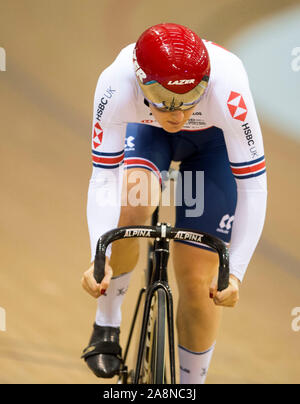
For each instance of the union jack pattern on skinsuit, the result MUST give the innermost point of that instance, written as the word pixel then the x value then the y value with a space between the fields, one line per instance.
pixel 107 160
pixel 143 163
pixel 249 168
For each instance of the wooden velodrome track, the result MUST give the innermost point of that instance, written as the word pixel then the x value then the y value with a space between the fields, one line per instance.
pixel 55 51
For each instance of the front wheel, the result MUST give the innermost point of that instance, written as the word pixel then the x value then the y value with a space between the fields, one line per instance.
pixel 153 366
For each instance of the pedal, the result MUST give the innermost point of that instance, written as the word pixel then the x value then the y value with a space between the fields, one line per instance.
pixel 123 376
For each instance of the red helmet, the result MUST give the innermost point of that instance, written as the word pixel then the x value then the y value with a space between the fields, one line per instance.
pixel 172 66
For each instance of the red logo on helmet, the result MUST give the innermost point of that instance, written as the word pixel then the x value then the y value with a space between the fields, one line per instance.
pixel 138 70
pixel 237 106
pixel 97 135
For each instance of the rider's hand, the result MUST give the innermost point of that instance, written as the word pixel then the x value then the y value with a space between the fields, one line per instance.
pixel 90 284
pixel 228 297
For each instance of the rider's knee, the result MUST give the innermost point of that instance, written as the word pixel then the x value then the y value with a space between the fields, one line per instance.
pixel 135 215
pixel 140 196
pixel 195 270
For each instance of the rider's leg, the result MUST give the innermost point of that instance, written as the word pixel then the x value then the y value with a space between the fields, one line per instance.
pixel 142 185
pixel 198 318
pixel 125 252
pixel 214 195
pixel 102 354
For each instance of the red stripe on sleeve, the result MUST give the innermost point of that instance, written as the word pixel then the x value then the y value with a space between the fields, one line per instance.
pixel 248 170
pixel 108 160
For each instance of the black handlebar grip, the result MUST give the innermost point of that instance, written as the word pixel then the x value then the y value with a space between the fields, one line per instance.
pixel 223 279
pixel 99 267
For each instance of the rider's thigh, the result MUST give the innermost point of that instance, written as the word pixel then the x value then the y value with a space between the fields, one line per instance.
pixel 195 269
pixel 140 196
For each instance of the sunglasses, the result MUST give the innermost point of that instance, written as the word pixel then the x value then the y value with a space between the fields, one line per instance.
pixel 168 107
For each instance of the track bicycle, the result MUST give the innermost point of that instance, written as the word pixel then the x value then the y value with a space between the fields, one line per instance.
pixel 157 329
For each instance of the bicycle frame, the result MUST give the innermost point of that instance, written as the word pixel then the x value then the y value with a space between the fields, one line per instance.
pixel 162 233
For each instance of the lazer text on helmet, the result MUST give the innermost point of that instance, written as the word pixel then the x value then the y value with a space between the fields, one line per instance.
pixel 181 82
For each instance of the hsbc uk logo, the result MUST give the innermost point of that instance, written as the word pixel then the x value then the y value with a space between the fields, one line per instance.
pixel 97 136
pixel 238 110
pixel 103 102
pixel 237 106
pixel 225 224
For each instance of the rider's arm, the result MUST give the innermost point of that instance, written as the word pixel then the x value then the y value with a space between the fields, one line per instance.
pixel 113 108
pixel 103 204
pixel 238 119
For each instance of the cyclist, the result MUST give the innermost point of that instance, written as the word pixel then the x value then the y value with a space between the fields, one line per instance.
pixel 174 97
